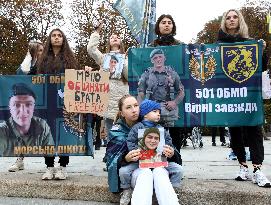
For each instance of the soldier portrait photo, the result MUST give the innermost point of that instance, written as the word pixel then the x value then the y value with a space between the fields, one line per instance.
pixel 161 83
pixel 114 64
pixel 23 128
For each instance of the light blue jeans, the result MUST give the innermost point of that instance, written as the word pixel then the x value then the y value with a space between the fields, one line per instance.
pixel 108 125
pixel 175 174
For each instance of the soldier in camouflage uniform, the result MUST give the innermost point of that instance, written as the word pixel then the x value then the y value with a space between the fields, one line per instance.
pixel 162 84
pixel 22 128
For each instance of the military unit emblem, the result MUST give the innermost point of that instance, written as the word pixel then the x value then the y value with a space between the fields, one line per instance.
pixel 239 62
pixel 200 70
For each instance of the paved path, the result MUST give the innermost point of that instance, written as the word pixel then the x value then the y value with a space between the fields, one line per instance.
pixel 208 162
pixel 208 178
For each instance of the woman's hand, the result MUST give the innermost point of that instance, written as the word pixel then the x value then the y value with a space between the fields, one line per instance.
pixel 168 151
pixel 99 27
pixel 133 156
pixel 264 43
pixel 88 68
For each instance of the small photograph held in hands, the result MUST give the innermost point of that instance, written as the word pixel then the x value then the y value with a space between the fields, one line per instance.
pixel 151 142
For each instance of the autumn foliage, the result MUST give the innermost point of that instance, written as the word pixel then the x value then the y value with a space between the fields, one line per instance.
pixel 23 20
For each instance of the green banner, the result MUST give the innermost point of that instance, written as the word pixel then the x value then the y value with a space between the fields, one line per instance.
pixel 201 85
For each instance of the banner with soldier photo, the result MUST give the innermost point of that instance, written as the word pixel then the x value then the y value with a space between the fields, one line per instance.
pixel 33 121
pixel 200 85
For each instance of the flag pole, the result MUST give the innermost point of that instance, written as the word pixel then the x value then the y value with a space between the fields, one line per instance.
pixel 268 22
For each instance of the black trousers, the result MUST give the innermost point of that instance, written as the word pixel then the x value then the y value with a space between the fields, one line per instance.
pixel 221 133
pixel 63 161
pixel 97 121
pixel 252 136
pixel 176 135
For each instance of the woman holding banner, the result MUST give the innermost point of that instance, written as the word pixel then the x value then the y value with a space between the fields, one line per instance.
pixel 35 49
pixel 165 29
pixel 57 56
pixel 234 29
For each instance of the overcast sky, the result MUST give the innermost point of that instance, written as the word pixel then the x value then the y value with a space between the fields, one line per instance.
pixel 191 15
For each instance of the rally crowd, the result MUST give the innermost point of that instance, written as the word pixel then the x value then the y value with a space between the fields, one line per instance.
pixel 127 114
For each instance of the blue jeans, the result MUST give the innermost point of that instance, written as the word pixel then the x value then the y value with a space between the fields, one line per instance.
pixel 175 174
pixel 125 175
pixel 108 125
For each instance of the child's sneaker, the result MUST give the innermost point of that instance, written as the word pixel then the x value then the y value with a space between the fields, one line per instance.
pixel 125 196
pixel 18 165
pixel 259 178
pixel 49 174
pixel 243 174
pixel 61 173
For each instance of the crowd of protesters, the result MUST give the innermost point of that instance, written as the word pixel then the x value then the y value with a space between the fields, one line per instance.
pixel 125 115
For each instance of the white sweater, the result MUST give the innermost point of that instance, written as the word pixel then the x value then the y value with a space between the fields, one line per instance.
pixel 117 87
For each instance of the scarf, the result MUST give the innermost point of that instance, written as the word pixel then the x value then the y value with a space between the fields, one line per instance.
pixel 228 38
pixel 165 40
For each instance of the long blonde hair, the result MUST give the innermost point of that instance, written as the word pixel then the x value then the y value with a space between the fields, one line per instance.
pixel 242 28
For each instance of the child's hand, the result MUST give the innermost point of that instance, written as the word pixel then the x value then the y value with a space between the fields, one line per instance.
pixel 168 151
pixel 133 156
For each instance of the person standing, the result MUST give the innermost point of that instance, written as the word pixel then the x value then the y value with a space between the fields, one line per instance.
pixel 29 64
pixel 221 133
pixel 234 29
pixel 56 57
pixel 96 130
pixel 165 29
pixel 114 62
pixel 118 75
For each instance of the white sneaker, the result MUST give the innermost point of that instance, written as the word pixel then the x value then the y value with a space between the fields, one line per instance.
pixel 61 173
pixel 243 174
pixel 49 174
pixel 259 178
pixel 18 165
pixel 125 196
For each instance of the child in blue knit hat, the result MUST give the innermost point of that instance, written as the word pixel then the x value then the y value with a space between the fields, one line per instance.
pixel 150 114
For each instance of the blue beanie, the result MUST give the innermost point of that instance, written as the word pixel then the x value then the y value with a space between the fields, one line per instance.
pixel 147 106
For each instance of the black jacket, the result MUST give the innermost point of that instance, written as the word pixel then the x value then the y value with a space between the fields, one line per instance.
pixel 227 38
pixel 165 40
